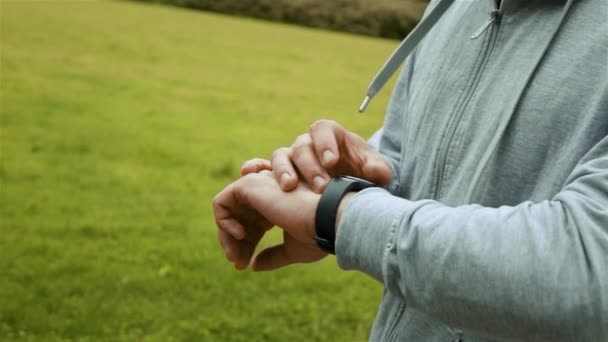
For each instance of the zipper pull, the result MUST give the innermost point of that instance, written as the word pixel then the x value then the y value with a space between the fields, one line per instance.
pixel 493 17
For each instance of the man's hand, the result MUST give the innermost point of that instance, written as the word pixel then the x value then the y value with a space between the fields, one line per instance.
pixel 326 151
pixel 246 209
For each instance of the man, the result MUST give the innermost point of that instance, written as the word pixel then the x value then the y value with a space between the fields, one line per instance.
pixel 492 219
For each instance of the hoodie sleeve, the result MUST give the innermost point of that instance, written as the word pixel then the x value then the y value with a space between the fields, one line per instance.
pixel 533 271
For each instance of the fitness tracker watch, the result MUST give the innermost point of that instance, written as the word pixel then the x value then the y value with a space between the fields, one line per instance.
pixel 327 209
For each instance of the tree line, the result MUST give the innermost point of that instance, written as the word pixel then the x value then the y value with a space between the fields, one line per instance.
pixel 382 18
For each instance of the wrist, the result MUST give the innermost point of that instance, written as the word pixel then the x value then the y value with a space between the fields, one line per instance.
pixel 343 204
pixel 328 208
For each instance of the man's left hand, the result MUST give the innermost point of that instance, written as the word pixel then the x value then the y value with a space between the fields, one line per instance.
pixel 246 209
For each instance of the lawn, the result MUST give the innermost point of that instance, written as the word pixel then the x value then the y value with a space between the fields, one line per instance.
pixel 119 122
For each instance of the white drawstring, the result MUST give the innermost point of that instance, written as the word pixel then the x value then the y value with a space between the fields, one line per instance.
pixel 403 50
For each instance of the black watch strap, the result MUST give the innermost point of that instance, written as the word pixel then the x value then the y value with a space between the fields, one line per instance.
pixel 327 209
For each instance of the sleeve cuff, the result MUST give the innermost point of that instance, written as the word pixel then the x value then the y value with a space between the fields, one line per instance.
pixel 367 230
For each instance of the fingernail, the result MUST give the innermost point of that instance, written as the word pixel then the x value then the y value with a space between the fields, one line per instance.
pixel 328 156
pixel 285 177
pixel 318 182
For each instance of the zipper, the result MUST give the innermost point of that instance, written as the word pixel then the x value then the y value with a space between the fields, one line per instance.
pixel 494 16
pixel 391 334
pixel 488 47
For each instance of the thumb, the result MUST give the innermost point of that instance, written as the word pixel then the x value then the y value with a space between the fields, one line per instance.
pixel 376 169
pixel 271 258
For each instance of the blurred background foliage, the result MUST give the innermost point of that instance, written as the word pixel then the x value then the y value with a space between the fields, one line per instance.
pixel 382 18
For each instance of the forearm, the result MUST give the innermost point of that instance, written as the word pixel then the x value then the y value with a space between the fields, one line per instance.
pixel 536 270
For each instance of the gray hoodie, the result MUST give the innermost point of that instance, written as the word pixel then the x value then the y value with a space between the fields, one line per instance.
pixel 495 226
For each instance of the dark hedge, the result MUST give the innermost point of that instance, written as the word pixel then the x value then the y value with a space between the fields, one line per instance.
pixel 383 18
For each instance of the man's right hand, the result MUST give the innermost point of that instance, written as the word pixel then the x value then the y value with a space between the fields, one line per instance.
pixel 326 151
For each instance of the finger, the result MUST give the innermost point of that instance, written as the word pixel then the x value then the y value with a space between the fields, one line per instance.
pixel 376 169
pixel 224 219
pixel 235 218
pixel 248 245
pixel 283 170
pixel 245 252
pixel 307 163
pixel 326 136
pixel 232 227
pixel 255 165
pixel 239 252
pixel 271 258
pixel 229 245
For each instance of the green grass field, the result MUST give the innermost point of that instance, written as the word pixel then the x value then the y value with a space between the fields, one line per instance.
pixel 119 122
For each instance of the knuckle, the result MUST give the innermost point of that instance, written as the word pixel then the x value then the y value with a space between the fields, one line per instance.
pixel 303 136
pixel 300 151
pixel 302 139
pixel 315 125
pixel 321 122
pixel 351 136
pixel 252 165
pixel 253 161
pixel 324 123
pixel 246 163
pixel 281 153
pixel 299 154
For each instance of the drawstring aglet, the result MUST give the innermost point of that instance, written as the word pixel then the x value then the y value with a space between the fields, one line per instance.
pixel 364 104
